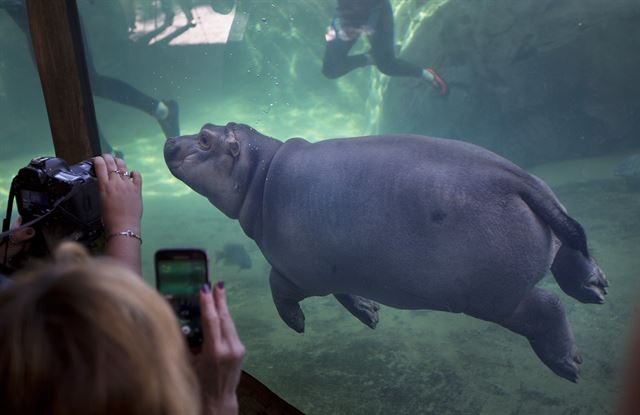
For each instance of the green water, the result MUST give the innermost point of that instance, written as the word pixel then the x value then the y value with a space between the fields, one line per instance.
pixel 414 362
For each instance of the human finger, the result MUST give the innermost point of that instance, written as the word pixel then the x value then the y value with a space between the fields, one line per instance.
pixel 122 167
pixel 16 223
pixel 101 169
pixel 210 320
pixel 110 162
pixel 22 235
pixel 137 179
pixel 227 326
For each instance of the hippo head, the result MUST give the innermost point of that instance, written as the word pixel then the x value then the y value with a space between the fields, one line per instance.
pixel 215 163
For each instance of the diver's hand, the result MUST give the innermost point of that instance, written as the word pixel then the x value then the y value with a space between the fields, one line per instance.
pixel 121 200
pixel 219 363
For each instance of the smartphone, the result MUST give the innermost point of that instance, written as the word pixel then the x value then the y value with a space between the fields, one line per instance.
pixel 180 274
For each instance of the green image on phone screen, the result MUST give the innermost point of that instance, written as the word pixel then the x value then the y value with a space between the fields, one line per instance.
pixel 180 281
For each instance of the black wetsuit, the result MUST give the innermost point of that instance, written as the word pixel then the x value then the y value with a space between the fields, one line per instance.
pixel 101 86
pixel 375 19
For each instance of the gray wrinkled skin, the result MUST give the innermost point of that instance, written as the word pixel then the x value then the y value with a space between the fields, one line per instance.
pixel 408 221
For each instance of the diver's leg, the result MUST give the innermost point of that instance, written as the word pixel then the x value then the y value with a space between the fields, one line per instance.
pixel 579 276
pixel 121 92
pixel 18 13
pixel 382 46
pixel 116 90
pixel 165 112
pixel 286 297
pixel 364 309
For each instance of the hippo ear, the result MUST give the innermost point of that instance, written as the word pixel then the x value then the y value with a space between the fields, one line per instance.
pixel 233 147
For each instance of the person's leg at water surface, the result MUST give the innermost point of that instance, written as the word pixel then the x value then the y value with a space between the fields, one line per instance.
pixel 223 6
pixel 166 112
pixel 381 38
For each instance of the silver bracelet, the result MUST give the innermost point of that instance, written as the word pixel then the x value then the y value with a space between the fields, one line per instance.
pixel 126 232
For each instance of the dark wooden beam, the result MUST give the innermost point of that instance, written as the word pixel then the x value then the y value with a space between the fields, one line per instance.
pixel 254 398
pixel 58 47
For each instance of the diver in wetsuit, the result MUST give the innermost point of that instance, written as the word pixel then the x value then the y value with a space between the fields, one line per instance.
pixel 165 112
pixel 374 18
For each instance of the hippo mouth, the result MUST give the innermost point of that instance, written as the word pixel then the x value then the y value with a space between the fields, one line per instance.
pixel 173 152
pixel 175 166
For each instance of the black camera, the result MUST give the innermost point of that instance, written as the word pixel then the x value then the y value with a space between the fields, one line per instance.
pixel 51 193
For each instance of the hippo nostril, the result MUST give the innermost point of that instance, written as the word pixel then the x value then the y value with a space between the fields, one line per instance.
pixel 171 148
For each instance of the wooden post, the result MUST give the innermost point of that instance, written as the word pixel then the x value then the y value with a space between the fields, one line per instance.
pixel 254 398
pixel 58 47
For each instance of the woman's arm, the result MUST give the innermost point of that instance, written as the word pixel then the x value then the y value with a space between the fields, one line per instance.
pixel 121 199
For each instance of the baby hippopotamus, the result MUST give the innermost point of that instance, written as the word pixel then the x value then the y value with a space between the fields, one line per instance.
pixel 408 221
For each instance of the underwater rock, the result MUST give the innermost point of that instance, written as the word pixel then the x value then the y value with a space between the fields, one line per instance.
pixel 629 170
pixel 408 221
pixel 534 81
pixel 234 254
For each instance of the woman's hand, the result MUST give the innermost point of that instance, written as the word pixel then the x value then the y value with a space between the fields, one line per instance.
pixel 16 243
pixel 121 200
pixel 120 195
pixel 219 363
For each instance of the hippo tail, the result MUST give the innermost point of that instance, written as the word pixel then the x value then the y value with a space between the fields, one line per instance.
pixel 541 200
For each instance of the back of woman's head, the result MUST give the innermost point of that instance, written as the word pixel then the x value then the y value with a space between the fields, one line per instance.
pixel 87 336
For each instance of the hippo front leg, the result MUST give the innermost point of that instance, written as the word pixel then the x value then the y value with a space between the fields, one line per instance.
pixel 286 297
pixel 362 308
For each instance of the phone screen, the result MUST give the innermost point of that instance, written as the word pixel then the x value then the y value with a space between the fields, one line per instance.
pixel 180 274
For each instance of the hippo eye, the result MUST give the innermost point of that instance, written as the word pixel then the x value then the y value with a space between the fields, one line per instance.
pixel 204 141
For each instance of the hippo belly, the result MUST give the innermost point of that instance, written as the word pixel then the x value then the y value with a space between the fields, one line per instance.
pixel 409 237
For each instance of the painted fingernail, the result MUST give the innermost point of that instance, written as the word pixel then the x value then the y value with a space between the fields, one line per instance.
pixel 220 285
pixel 206 288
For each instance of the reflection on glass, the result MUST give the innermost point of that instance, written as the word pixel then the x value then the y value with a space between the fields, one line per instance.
pixel 551 87
pixel 24 126
pixel 185 24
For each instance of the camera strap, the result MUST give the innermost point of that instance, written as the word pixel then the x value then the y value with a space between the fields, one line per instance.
pixel 7 218
pixel 6 222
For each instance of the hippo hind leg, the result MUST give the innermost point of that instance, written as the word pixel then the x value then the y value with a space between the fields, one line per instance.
pixel 579 276
pixel 541 319
pixel 362 308
pixel 286 297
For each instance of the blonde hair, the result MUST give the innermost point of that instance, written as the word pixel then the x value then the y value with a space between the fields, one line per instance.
pixel 88 336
